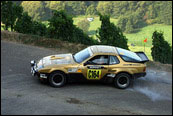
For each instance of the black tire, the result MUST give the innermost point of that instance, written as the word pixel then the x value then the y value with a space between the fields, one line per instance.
pixel 122 81
pixel 57 79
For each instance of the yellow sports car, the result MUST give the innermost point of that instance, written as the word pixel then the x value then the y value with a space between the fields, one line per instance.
pixel 99 62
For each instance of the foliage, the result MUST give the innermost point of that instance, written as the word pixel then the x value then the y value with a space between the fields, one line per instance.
pixel 166 13
pixel 24 24
pixel 37 10
pixel 109 34
pixel 9 13
pixel 84 25
pixel 105 7
pixel 91 10
pixel 61 27
pixel 56 5
pixel 6 13
pixel 38 28
pixel 131 23
pixel 75 7
pixel 161 50
pixel 83 38
pixel 143 12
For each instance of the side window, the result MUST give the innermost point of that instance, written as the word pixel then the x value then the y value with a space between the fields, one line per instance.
pixel 113 60
pixel 99 60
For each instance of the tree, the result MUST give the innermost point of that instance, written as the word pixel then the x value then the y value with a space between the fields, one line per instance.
pixel 84 25
pixel 75 7
pixel 37 10
pixel 166 13
pixel 24 24
pixel 161 50
pixel 83 38
pixel 105 7
pixel 9 13
pixel 17 13
pixel 91 10
pixel 6 13
pixel 109 34
pixel 38 28
pixel 56 5
pixel 60 25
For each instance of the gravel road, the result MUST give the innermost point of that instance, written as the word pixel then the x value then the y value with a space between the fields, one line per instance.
pixel 23 94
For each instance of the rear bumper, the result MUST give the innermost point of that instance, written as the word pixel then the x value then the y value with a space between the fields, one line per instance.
pixel 138 75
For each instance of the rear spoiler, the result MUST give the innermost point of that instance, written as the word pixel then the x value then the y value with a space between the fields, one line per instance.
pixel 143 56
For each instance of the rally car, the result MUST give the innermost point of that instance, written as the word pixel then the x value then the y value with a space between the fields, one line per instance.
pixel 98 62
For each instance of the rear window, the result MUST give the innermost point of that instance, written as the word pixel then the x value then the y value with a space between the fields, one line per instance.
pixel 128 56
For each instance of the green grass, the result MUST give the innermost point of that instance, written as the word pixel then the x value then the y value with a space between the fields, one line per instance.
pixel 146 32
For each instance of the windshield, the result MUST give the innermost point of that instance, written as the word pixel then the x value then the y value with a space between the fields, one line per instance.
pixel 82 55
pixel 128 56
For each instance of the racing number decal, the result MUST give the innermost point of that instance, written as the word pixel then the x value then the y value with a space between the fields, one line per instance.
pixel 93 74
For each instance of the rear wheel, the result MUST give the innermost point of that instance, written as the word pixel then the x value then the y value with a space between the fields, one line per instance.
pixel 57 79
pixel 122 81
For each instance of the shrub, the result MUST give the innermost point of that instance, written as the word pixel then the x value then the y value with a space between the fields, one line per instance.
pixel 161 50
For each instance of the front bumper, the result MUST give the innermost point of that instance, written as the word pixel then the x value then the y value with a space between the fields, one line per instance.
pixel 34 71
pixel 33 68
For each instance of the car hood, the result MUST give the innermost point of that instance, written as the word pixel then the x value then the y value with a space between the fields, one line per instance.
pixel 58 59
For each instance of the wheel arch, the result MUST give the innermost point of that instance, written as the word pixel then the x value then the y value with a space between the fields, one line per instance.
pixel 52 71
pixel 131 75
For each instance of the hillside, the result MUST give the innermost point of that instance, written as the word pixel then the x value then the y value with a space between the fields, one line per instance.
pixel 147 11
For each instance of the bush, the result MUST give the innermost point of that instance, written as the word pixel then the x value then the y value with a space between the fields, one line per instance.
pixel 161 50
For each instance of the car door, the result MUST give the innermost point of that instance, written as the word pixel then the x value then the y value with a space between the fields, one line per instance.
pixel 96 67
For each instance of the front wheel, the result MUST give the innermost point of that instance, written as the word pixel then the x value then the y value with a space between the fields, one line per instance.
pixel 57 79
pixel 122 81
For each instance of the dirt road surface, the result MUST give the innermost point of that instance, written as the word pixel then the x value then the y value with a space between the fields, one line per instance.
pixel 23 94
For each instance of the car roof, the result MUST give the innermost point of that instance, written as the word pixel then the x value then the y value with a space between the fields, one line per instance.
pixel 103 49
